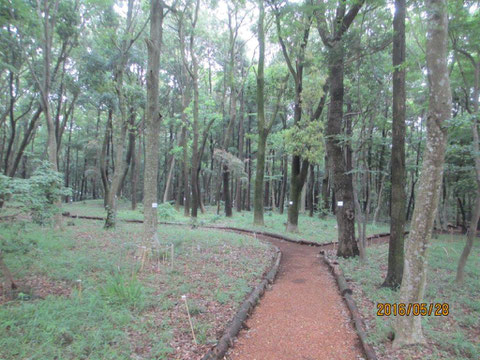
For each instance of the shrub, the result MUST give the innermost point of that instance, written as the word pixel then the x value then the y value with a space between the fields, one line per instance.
pixel 36 195
pixel 166 211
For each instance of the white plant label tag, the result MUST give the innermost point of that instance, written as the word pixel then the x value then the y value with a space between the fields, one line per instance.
pixel 154 205
pixel 339 203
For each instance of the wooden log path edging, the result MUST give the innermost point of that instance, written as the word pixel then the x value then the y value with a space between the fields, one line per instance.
pixel 352 306
pixel 226 341
pixel 236 324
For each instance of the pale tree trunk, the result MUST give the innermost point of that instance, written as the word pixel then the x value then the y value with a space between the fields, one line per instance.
pixel 303 195
pixel 472 230
pixel 152 123
pixel 408 329
pixel 379 199
pixel 169 179
pixel 398 195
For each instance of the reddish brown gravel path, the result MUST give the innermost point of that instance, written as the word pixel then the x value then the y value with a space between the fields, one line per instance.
pixel 302 317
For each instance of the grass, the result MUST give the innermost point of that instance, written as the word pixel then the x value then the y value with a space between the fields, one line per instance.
pixel 456 336
pixel 117 311
pixel 310 228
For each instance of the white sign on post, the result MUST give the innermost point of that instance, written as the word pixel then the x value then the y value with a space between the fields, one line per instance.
pixel 154 205
pixel 339 203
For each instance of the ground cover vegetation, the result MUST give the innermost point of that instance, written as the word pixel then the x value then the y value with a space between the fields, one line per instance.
pixel 325 120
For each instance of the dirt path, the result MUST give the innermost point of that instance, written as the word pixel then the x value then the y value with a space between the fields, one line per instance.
pixel 302 317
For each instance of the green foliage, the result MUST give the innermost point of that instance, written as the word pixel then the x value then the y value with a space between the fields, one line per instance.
pixel 14 239
pixel 306 140
pixel 166 211
pixel 38 194
pixel 234 164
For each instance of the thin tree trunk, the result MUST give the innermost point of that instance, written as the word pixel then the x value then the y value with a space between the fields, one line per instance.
pixel 7 274
pixel 472 230
pixel 398 178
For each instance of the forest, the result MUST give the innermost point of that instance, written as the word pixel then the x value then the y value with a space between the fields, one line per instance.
pixel 201 179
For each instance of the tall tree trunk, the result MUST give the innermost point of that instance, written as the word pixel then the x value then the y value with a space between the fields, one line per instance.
pixel 67 166
pixel 241 155
pixel 48 14
pixel 262 134
pixel 472 230
pixel 119 136
pixel 398 195
pixel 341 167
pixel 153 119
pixel 408 329
pixel 325 190
pixel 196 157
pixel 283 189
pixel 343 186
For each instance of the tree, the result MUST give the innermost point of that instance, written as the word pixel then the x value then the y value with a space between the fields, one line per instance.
pixel 343 185
pixel 118 129
pixel 300 165
pixel 408 329
pixel 398 195
pixel 467 24
pixel 263 127
pixel 152 122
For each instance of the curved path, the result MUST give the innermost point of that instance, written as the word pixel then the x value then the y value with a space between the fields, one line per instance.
pixel 302 317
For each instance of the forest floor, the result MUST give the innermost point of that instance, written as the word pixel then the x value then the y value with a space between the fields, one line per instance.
pixel 456 336
pixel 117 311
pixel 310 228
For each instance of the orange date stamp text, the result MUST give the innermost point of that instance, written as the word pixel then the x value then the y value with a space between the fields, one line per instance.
pixel 414 309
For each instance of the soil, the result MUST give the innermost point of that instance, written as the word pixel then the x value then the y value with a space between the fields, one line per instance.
pixel 301 317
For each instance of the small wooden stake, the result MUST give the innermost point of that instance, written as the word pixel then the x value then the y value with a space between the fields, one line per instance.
pixel 184 297
pixel 144 256
pixel 79 287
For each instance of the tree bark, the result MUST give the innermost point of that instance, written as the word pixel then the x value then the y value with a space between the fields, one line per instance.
pixel 343 186
pixel 262 135
pixel 241 155
pixel 408 329
pixel 153 119
pixel 472 230
pixel 341 167
pixel 398 195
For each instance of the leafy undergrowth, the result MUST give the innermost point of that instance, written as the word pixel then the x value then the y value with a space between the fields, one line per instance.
pixel 310 228
pixel 456 336
pixel 83 295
